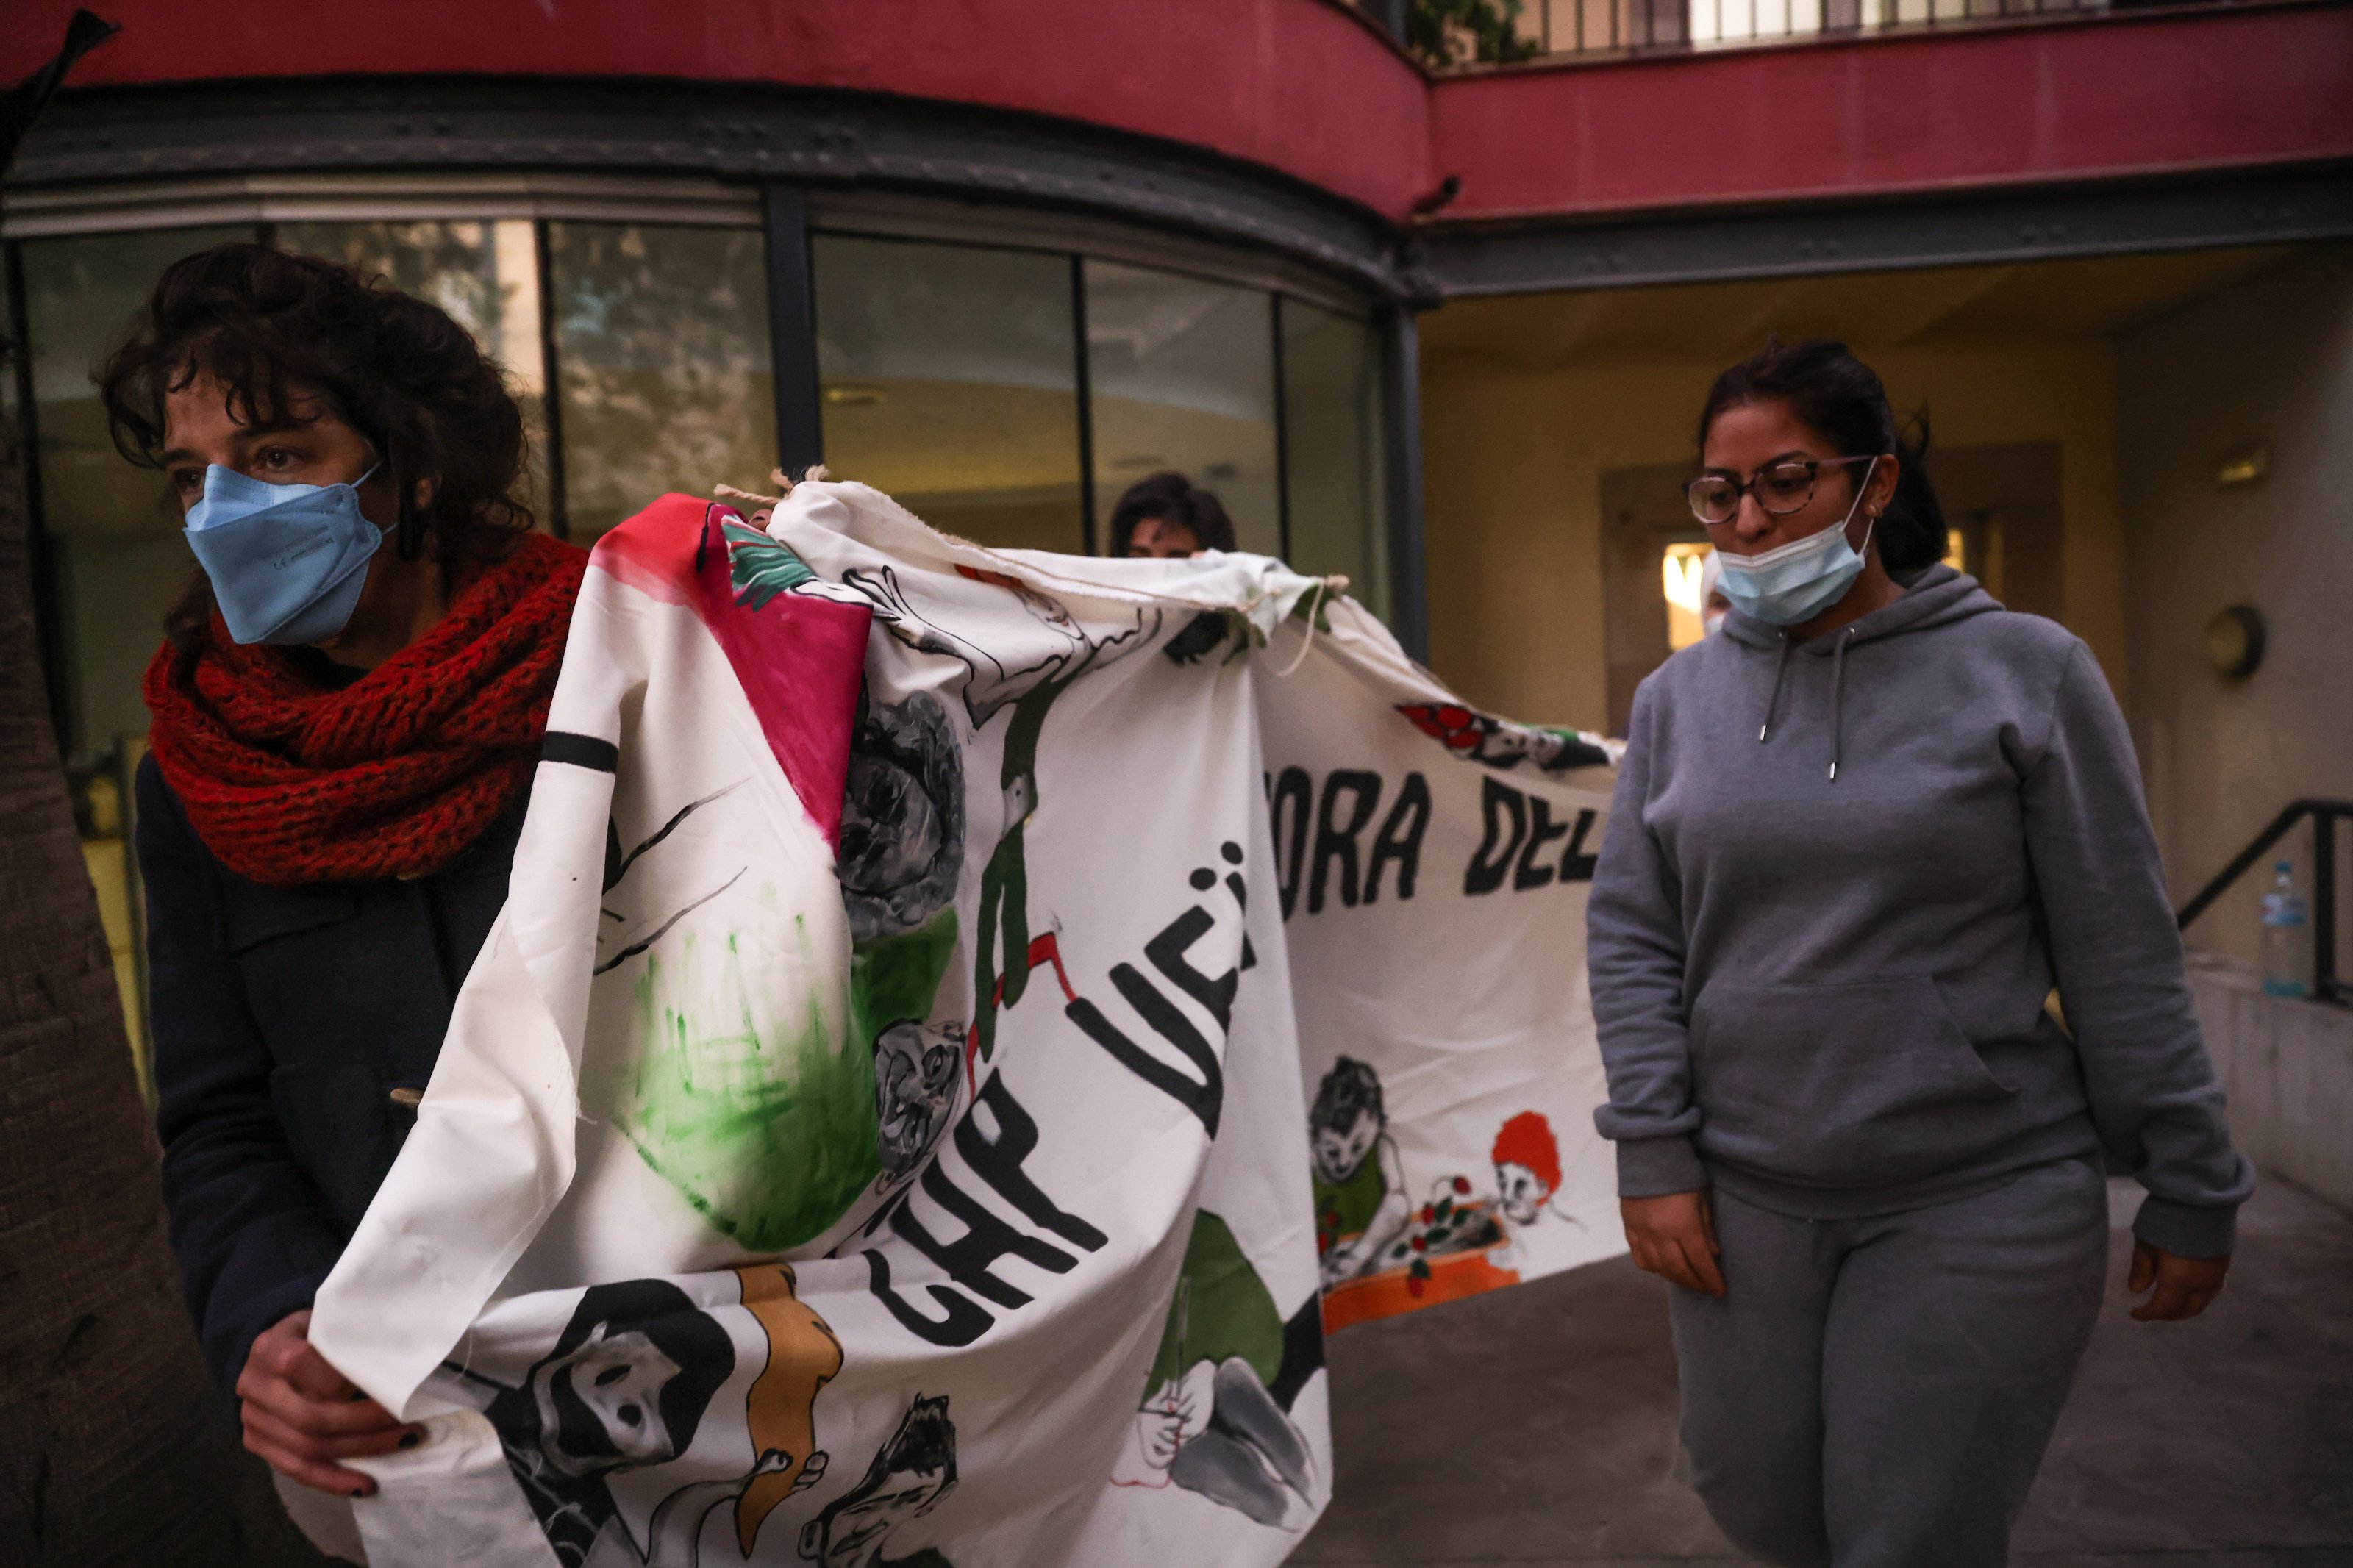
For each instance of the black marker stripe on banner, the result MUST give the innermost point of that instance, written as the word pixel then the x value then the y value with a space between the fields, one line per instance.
pixel 580 751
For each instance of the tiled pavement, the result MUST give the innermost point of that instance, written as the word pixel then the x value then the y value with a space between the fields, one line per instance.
pixel 1534 1428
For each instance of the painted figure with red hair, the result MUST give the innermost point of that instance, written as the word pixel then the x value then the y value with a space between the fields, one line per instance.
pixel 1527 1167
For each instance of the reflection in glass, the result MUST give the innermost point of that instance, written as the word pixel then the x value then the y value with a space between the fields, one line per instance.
pixel 1182 373
pixel 485 275
pixel 1333 452
pixel 949 379
pixel 117 560
pixel 116 555
pixel 8 404
pixel 663 359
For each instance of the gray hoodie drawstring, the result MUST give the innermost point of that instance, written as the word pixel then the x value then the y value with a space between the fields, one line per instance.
pixel 1838 696
pixel 1780 668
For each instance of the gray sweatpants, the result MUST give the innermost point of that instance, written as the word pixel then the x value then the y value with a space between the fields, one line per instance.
pixel 1877 1393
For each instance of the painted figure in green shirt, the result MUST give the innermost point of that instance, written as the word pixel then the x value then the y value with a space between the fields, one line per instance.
pixel 1361 1204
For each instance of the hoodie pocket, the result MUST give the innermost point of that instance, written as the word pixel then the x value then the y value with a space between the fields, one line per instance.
pixel 1841 1086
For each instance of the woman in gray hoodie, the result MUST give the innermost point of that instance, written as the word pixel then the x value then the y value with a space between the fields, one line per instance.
pixel 1859 838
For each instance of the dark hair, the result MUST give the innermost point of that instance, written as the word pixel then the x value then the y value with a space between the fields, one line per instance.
pixel 1175 498
pixel 1349 1090
pixel 267 326
pixel 1840 398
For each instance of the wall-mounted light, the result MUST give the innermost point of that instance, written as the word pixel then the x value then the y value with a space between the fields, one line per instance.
pixel 2244 465
pixel 2234 641
pixel 853 393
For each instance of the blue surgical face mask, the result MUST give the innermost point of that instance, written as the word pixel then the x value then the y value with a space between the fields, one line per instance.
pixel 287 562
pixel 1798 581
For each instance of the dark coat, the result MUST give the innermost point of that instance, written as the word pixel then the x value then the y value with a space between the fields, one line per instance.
pixel 294 1029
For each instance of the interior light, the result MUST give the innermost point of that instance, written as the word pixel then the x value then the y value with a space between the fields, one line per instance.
pixel 852 394
pixel 1678 572
pixel 2244 465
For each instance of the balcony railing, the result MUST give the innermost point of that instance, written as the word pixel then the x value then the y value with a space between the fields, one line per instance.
pixel 1584 27
pixel 1468 32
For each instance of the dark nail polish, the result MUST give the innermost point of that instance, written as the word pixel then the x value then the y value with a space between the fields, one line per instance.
pixel 410 1439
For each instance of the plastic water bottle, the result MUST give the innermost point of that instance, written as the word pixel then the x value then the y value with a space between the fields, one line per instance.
pixel 2287 940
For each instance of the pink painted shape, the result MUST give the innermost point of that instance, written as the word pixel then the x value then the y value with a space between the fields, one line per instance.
pixel 653 552
pixel 800 659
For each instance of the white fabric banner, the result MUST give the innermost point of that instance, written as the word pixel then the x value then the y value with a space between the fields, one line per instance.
pixel 963 1026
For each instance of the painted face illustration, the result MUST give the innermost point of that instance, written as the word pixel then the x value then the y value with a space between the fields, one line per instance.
pixel 1045 610
pixel 1339 1150
pixel 1520 1193
pixel 902 816
pixel 916 1069
pixel 608 1388
pixel 625 1384
pixel 862 1524
pixel 911 1473
pixel 891 831
pixel 1527 1167
pixel 1509 741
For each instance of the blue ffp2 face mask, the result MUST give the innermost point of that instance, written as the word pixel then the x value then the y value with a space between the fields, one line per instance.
pixel 287 562
pixel 1792 584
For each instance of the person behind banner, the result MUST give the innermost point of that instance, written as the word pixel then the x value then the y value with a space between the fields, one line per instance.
pixel 1167 517
pixel 346 715
pixel 1858 837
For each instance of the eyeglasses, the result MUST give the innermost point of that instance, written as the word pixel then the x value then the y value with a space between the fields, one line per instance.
pixel 1780 489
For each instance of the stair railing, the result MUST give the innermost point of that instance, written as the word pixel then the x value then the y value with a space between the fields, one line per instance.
pixel 2325 815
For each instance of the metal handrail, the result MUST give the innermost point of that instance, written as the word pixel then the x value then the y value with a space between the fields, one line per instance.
pixel 2325 815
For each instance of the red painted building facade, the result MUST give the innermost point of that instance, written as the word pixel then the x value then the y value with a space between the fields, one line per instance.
pixel 1004 259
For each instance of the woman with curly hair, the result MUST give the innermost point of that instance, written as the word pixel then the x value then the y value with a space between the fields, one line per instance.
pixel 346 714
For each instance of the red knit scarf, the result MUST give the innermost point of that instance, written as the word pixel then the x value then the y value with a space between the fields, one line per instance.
pixel 395 774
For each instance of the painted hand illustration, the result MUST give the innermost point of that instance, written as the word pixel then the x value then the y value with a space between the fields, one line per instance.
pixel 1211 1422
pixel 1178 1413
pixel 779 1412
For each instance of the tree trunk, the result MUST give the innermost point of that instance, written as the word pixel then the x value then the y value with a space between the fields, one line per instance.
pixel 112 1446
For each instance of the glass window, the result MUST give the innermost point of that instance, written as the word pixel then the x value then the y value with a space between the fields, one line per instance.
pixel 948 377
pixel 663 359
pixel 117 560
pixel 8 370
pixel 1182 375
pixel 485 275
pixel 1332 450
